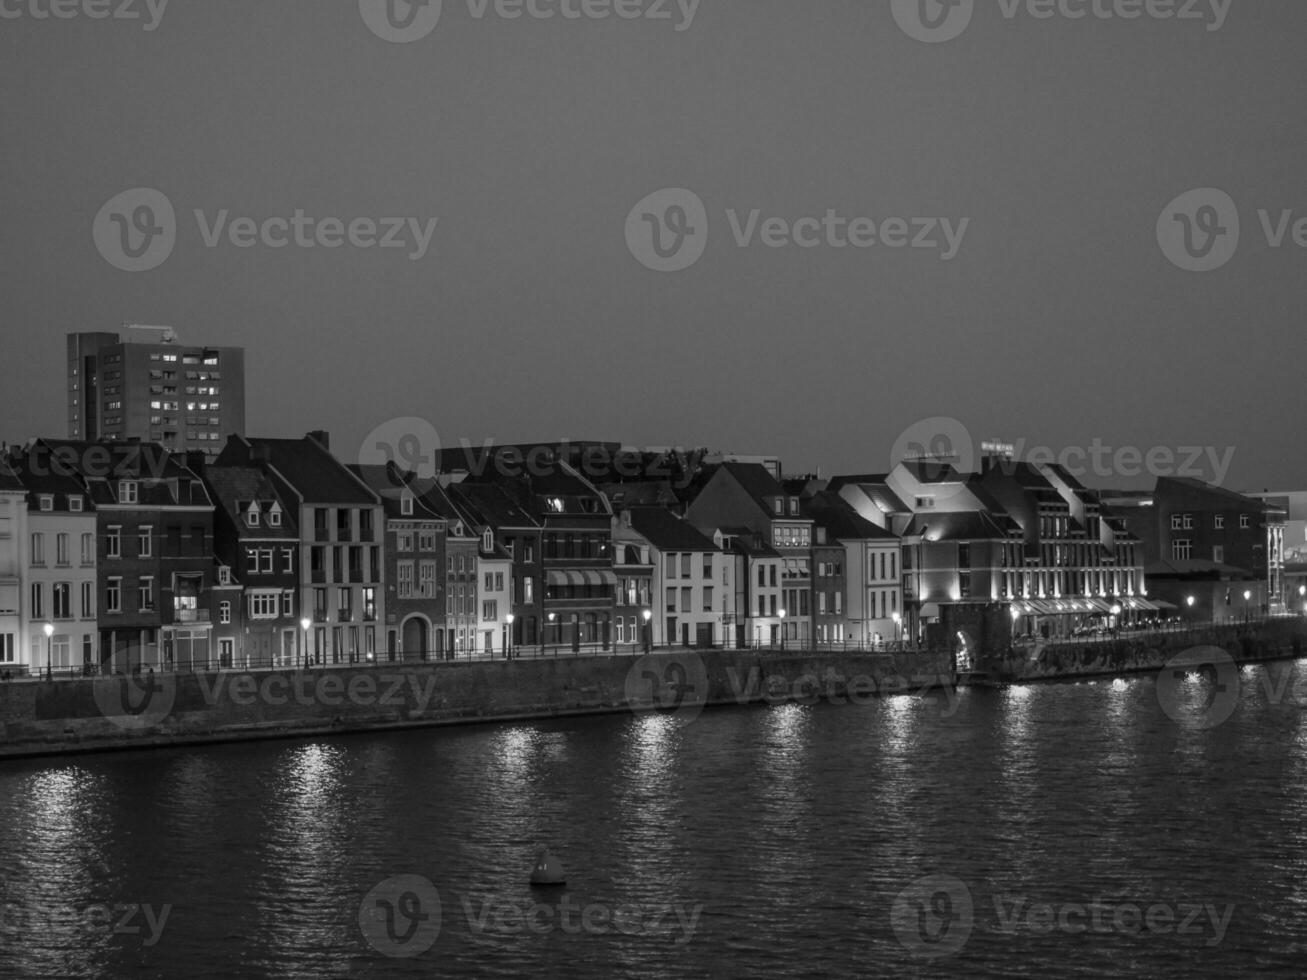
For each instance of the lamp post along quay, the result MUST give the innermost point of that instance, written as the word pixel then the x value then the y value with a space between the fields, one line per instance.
pixel 508 637
pixel 305 623
pixel 48 629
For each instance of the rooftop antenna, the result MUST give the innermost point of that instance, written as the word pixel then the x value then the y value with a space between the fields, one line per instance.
pixel 169 334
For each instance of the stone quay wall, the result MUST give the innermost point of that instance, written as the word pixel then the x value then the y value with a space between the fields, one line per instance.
pixel 150 710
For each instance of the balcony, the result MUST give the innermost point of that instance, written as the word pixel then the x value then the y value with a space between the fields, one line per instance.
pixel 190 615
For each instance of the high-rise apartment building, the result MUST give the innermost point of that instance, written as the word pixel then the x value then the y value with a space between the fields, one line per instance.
pixel 144 384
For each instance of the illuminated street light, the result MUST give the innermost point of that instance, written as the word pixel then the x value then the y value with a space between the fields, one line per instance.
pixel 648 616
pixel 782 615
pixel 508 637
pixel 49 650
pixel 305 623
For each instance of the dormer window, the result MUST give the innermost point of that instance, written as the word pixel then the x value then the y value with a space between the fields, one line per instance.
pixel 488 541
pixel 274 516
pixel 406 505
pixel 794 506
pixel 252 515
pixel 75 503
pixel 778 506
pixel 47 501
pixel 224 575
pixel 127 492
pixel 554 504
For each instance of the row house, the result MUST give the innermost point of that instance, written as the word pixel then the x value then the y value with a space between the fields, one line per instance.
pixel 61 569
pixel 413 555
pixel 154 550
pixel 754 612
pixel 255 606
pixel 488 532
pixel 872 611
pixel 340 521
pixel 562 551
pixel 15 654
pixel 633 566
pixel 748 495
pixel 689 574
pixel 491 595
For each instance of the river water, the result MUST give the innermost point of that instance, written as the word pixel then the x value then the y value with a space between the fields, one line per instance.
pixel 1074 830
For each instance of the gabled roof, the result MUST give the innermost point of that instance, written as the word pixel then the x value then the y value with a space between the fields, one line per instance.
pixel 667 532
pixel 877 491
pixel 841 521
pixel 9 481
pixel 481 504
pixel 317 476
pixel 234 487
pixel 392 485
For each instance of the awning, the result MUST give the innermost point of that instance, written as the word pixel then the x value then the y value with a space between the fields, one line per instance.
pixel 1162 604
pixel 930 610
pixel 555 577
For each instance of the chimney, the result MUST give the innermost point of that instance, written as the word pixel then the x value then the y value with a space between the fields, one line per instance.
pixel 321 437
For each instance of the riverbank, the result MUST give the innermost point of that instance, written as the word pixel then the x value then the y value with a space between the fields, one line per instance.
pixel 158 710
pixel 1266 640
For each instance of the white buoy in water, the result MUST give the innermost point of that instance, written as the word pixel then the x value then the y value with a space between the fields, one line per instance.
pixel 548 870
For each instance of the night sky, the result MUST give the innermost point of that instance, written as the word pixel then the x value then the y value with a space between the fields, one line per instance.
pixel 1059 321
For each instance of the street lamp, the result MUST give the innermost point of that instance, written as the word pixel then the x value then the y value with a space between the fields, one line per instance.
pixel 49 650
pixel 305 623
pixel 1247 594
pixel 648 617
pixel 508 637
pixel 552 617
pixel 898 625
pixel 781 612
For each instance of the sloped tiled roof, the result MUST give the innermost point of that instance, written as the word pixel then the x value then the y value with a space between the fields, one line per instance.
pixel 667 532
pixel 315 474
pixel 234 487
pixel 841 521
